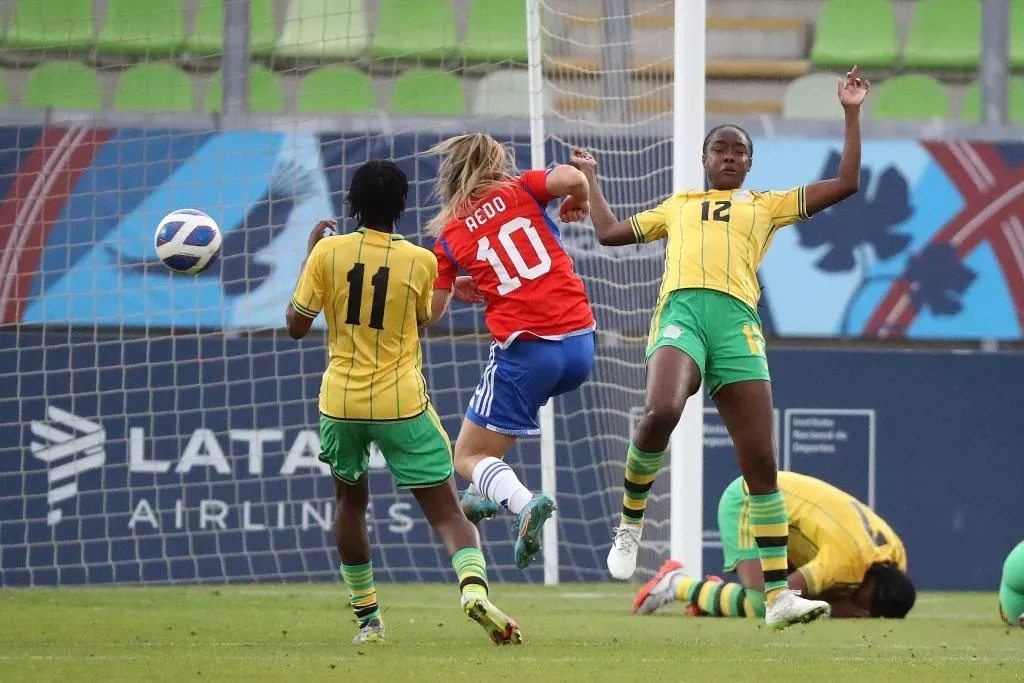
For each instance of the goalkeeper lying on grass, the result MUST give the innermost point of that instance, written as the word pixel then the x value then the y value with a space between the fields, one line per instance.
pixel 839 551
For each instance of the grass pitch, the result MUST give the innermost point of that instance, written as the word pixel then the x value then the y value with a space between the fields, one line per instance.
pixel 572 633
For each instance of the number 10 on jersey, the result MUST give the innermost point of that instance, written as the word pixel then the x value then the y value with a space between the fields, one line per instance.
pixel 487 252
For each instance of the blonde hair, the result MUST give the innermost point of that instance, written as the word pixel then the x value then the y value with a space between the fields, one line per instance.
pixel 473 166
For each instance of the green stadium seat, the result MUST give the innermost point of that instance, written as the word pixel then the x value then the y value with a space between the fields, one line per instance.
pixel 150 28
pixel 1017 34
pixel 944 34
pixel 154 87
pixel 423 29
pixel 812 97
pixel 58 25
pixel 315 29
pixel 495 32
pixel 265 95
pixel 336 90
pixel 62 85
pixel 910 97
pixel 428 91
pixel 852 32
pixel 503 93
pixel 207 38
pixel 971 109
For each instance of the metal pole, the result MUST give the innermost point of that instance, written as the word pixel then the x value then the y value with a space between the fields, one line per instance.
pixel 548 467
pixel 615 74
pixel 235 60
pixel 995 57
pixel 687 442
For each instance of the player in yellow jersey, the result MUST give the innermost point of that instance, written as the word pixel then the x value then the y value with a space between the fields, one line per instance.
pixel 375 289
pixel 839 550
pixel 706 328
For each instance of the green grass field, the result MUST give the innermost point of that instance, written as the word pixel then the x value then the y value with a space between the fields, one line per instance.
pixel 572 633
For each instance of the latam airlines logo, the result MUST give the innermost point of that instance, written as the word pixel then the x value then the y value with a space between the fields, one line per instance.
pixel 70 445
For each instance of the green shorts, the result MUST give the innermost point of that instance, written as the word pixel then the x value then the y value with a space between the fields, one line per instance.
pixel 719 332
pixel 738 542
pixel 1011 588
pixel 416 449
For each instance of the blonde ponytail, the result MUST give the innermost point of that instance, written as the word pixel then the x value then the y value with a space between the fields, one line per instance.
pixel 472 166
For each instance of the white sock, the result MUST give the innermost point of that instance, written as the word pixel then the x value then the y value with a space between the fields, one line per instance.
pixel 499 483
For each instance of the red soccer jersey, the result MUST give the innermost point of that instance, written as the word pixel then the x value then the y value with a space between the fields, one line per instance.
pixel 513 252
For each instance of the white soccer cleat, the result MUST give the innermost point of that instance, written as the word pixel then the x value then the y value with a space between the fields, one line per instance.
pixel 789 608
pixel 622 556
pixel 659 591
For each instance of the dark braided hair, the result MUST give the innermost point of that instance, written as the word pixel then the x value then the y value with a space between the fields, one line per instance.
pixel 711 134
pixel 377 195
pixel 894 591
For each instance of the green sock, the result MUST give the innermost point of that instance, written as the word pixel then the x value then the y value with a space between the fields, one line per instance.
pixel 719 599
pixel 641 470
pixel 362 595
pixel 469 564
pixel 769 524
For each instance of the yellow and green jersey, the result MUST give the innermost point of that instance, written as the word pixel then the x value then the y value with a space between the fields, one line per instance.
pixel 833 537
pixel 375 289
pixel 717 239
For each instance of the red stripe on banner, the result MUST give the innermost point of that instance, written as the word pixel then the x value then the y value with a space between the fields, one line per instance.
pixel 35 201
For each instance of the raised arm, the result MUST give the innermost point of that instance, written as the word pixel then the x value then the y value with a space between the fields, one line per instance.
pixel 610 230
pixel 825 193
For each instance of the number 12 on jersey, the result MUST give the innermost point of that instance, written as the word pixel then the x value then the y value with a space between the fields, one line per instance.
pixel 487 252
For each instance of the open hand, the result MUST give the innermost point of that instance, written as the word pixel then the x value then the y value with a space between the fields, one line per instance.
pixel 466 291
pixel 322 229
pixel 583 160
pixel 853 91
pixel 573 210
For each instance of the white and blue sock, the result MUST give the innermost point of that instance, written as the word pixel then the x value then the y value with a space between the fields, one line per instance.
pixel 499 483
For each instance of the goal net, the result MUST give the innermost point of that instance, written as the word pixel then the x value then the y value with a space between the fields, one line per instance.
pixel 156 427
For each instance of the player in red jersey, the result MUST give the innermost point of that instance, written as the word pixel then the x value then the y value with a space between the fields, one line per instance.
pixel 494 226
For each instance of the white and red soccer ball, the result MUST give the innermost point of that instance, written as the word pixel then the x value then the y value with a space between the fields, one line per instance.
pixel 188 241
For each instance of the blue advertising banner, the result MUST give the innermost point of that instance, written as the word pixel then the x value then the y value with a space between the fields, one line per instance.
pixel 931 247
pixel 134 459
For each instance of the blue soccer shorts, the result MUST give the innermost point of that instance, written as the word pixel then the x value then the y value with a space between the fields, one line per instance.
pixel 521 378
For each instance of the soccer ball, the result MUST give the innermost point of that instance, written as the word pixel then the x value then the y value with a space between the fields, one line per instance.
pixel 188 241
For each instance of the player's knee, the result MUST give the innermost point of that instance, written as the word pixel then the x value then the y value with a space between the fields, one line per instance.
pixel 661 417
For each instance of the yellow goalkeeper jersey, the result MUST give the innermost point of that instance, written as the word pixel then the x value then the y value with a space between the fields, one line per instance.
pixel 375 289
pixel 833 537
pixel 717 239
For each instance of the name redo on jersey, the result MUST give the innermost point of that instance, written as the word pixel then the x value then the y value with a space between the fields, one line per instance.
pixel 514 253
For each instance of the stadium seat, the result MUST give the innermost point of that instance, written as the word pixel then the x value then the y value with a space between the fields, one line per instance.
pixel 495 32
pixel 1017 34
pixel 154 28
pixel 913 96
pixel 207 38
pixel 154 87
pixel 422 29
pixel 812 97
pixel 336 90
pixel 855 32
pixel 428 91
pixel 62 85
pixel 61 24
pixel 265 96
pixel 971 110
pixel 503 93
pixel 324 28
pixel 944 34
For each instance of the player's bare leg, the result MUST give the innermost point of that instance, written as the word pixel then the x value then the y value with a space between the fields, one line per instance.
pixel 441 508
pixel 478 457
pixel 353 541
pixel 746 409
pixel 672 377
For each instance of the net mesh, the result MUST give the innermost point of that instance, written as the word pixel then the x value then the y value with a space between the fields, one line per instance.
pixel 159 427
